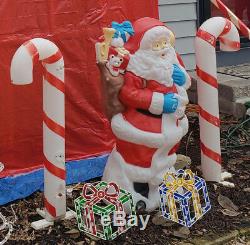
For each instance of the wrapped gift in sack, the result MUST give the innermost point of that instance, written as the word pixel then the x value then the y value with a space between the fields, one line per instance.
pixel 98 208
pixel 112 60
pixel 184 197
pixel 118 59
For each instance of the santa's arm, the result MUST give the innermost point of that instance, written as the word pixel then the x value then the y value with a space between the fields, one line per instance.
pixel 134 94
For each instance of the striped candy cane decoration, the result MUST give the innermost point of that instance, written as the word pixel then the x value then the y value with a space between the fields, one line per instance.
pixel 205 42
pixel 49 55
pixel 230 15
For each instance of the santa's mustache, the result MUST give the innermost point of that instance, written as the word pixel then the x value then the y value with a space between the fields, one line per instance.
pixel 161 58
pixel 163 53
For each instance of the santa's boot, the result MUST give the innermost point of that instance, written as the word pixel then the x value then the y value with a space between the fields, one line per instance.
pixel 115 172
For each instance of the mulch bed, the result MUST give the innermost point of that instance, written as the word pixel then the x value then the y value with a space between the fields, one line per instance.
pixel 236 161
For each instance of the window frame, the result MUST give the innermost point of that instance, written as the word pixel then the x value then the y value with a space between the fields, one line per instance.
pixel 205 13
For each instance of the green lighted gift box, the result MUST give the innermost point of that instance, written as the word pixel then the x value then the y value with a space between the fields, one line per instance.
pixel 100 203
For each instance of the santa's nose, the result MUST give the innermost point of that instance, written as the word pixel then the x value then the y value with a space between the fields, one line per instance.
pixel 163 55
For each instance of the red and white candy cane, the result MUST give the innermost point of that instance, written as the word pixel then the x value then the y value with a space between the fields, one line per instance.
pixel 205 42
pixel 26 56
pixel 230 15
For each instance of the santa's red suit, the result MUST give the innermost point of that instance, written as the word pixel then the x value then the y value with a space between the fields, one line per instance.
pixel 136 95
pixel 147 138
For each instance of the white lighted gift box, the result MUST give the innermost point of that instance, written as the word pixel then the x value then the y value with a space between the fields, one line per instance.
pixel 99 208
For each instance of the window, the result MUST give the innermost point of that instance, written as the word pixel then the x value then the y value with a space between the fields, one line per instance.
pixel 240 8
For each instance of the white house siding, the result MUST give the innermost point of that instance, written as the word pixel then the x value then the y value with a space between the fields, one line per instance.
pixel 181 17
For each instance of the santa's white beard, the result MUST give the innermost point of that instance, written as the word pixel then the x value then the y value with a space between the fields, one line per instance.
pixel 154 65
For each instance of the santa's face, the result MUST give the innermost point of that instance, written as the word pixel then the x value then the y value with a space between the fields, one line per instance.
pixel 155 58
pixel 161 47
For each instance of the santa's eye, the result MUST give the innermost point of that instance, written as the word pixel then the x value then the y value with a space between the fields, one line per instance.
pixel 112 56
pixel 157 46
pixel 121 60
pixel 164 43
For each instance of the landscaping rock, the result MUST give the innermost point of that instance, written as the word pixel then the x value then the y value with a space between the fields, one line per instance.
pixel 230 87
pixel 235 109
pixel 212 239
pixel 234 91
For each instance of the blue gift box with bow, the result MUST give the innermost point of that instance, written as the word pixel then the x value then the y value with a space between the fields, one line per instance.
pixel 184 197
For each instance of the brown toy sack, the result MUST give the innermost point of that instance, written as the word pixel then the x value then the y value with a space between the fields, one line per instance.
pixel 112 64
pixel 111 86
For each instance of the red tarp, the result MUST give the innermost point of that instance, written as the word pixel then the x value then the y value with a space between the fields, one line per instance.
pixel 73 25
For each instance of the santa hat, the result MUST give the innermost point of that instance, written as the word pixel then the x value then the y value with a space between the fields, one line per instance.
pixel 141 26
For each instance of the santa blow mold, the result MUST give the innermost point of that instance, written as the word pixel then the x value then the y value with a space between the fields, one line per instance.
pixel 153 122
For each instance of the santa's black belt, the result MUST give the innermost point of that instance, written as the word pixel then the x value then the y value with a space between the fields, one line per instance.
pixel 148 113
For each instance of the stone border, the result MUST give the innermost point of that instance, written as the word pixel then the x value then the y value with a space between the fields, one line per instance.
pixel 233 93
pixel 219 240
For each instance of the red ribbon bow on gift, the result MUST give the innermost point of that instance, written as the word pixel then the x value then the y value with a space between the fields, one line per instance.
pixel 93 196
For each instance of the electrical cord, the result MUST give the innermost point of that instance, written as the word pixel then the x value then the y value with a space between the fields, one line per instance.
pixel 237 136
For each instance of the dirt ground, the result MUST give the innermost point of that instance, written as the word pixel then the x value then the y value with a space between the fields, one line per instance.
pixel 223 217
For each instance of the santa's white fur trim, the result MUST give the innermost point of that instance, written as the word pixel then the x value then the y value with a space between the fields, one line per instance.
pixel 182 99
pixel 126 131
pixel 125 173
pixel 182 95
pixel 184 125
pixel 171 134
pixel 156 106
pixel 188 78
